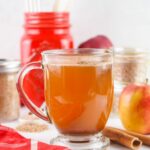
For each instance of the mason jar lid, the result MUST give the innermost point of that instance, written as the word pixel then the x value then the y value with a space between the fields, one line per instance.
pixel 7 65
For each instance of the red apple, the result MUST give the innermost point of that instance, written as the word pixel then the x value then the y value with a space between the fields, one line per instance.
pixel 99 41
pixel 134 108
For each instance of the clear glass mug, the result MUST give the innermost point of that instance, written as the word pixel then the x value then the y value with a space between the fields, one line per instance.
pixel 78 95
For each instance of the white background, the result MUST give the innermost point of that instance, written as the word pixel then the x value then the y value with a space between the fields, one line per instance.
pixel 125 22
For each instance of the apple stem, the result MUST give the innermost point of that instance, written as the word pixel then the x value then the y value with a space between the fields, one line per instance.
pixel 146 81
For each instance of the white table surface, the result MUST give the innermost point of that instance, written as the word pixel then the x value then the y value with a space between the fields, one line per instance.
pixel 51 132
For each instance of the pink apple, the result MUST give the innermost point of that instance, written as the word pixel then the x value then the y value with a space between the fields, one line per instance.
pixel 99 41
pixel 134 108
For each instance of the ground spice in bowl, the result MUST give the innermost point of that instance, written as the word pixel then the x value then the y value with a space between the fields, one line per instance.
pixel 32 127
pixel 31 123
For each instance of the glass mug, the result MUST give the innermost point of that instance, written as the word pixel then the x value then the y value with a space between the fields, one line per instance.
pixel 78 87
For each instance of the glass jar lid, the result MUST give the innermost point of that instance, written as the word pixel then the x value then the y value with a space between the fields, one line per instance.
pixel 7 65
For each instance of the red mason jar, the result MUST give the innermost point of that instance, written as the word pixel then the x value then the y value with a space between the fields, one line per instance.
pixel 43 31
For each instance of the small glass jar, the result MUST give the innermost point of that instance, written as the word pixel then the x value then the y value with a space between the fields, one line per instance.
pixel 9 100
pixel 130 66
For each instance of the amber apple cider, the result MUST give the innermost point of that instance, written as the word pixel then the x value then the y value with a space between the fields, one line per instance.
pixel 79 97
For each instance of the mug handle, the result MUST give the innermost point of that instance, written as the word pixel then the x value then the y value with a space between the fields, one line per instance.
pixel 26 100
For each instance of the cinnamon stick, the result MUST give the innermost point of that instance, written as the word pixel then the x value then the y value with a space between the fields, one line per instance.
pixel 144 138
pixel 122 137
